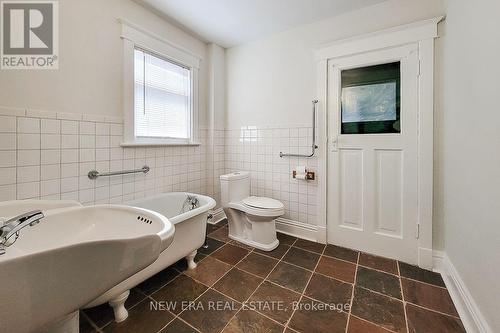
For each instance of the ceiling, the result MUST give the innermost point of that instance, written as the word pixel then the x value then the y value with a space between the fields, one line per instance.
pixel 234 22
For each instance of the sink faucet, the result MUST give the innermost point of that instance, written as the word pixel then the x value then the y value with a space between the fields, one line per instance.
pixel 9 230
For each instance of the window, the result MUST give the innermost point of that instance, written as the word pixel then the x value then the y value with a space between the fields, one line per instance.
pixel 371 99
pixel 160 90
pixel 162 95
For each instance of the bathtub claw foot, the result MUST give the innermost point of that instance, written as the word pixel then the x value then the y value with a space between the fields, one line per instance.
pixel 118 305
pixel 190 260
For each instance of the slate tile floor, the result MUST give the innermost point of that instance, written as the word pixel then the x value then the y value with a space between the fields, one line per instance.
pixel 229 289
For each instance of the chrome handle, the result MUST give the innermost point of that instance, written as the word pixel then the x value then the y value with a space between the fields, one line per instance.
pixel 314 146
pixel 94 173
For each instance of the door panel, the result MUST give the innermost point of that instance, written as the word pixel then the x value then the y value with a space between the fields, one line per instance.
pixel 372 172
pixel 351 188
pixel 388 192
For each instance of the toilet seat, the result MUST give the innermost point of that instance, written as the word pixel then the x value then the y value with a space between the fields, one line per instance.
pixel 262 203
pixel 251 208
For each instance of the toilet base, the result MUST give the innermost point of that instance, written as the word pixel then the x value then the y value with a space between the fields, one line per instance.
pixel 259 246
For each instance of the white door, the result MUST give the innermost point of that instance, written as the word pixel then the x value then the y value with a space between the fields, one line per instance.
pixel 372 159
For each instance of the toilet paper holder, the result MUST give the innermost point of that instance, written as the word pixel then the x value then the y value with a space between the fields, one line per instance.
pixel 310 175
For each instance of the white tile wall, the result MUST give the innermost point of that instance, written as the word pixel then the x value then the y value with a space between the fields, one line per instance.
pixel 47 155
pixel 257 150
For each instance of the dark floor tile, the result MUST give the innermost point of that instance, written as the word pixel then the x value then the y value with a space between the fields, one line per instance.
pixel 381 310
pixel 221 234
pixel 285 239
pixel 238 284
pixel 279 300
pixel 277 253
pixel 310 246
pixel 212 313
pixel 417 273
pixel 178 326
pixel 315 317
pixel 341 253
pixel 248 321
pixel 181 264
pixel 384 283
pixel 236 243
pixel 357 325
pixel 158 280
pixel 103 314
pixel 85 325
pixel 426 321
pixel 380 263
pixel 182 289
pixel 142 318
pixel 212 227
pixel 289 276
pixel 337 269
pixel 230 254
pixel 257 264
pixel 213 244
pixel 329 291
pixel 428 296
pixel 222 223
pixel 208 271
pixel 301 258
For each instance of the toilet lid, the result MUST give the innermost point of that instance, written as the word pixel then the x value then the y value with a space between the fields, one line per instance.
pixel 262 202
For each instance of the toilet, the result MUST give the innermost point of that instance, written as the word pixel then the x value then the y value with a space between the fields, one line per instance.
pixel 251 219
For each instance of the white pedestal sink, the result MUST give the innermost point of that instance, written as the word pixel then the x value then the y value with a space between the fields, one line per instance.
pixel 71 257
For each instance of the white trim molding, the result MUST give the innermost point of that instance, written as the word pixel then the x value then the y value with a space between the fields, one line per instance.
pixel 285 226
pixel 297 229
pixel 217 215
pixel 472 318
pixel 421 33
pixel 133 37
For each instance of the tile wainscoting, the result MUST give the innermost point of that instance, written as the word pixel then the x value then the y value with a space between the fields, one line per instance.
pixel 256 149
pixel 47 155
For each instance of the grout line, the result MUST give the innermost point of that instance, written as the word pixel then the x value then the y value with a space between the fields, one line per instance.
pixel 208 287
pixel 372 323
pixel 256 310
pixel 403 299
pixel 428 309
pixel 352 293
pixel 422 282
pixel 305 288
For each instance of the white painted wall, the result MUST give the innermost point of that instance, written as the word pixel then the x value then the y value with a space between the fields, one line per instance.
pixel 89 79
pixel 470 148
pixel 271 82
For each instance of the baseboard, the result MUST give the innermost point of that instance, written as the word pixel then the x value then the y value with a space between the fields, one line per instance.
pixel 217 215
pixel 289 227
pixel 297 229
pixel 467 308
pixel 425 258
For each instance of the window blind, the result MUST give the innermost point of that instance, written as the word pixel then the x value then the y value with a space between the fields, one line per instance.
pixel 162 97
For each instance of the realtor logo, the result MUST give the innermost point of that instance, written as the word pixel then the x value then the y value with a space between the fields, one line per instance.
pixel 29 34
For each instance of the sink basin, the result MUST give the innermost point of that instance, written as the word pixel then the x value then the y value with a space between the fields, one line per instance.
pixel 71 257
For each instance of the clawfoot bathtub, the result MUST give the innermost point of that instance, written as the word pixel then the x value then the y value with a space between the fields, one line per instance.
pixel 188 212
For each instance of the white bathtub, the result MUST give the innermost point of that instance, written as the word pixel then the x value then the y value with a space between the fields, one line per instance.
pixel 190 228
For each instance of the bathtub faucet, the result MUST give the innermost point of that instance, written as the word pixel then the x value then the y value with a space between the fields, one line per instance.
pixel 193 201
pixel 9 230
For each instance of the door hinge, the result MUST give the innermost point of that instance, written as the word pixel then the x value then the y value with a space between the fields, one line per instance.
pixel 418 230
pixel 419 67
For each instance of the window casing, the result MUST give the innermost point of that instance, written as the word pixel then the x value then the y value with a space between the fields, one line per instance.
pixel 160 90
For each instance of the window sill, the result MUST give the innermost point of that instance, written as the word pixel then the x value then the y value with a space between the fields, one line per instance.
pixel 152 144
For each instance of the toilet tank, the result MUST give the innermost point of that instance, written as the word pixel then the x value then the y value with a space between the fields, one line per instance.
pixel 234 187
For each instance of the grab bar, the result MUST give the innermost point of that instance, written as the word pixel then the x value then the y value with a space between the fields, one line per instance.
pixel 94 173
pixel 314 146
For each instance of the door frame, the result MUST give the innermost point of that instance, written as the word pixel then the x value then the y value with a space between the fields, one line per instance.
pixel 423 33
